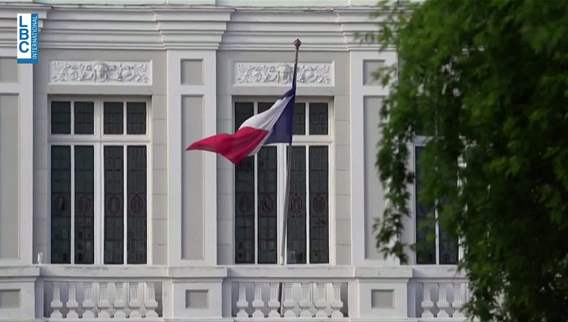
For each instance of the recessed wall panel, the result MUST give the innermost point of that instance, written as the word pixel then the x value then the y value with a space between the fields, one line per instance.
pixel 192 233
pixel 192 72
pixel 9 299
pixel 369 68
pixel 374 203
pixel 9 183
pixel 8 69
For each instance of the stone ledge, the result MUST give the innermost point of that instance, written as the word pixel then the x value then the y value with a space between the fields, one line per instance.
pixel 19 271
pixel 387 272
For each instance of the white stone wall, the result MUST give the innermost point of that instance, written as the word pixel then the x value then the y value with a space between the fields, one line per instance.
pixel 16 180
pixel 9 180
pixel 192 78
pixel 191 62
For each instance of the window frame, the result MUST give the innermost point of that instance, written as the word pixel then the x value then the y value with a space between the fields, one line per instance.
pixel 304 140
pixel 420 141
pixel 98 140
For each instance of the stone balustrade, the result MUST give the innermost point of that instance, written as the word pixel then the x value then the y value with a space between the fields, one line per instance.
pixel 259 300
pixel 249 293
pixel 442 300
pixel 109 293
pixel 104 300
pixel 438 295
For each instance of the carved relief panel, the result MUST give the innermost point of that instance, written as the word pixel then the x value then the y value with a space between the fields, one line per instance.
pixel 279 74
pixel 97 72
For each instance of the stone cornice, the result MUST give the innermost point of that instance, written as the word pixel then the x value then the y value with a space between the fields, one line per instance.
pixel 231 3
pixel 159 27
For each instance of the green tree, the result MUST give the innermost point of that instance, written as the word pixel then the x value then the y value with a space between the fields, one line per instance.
pixel 487 82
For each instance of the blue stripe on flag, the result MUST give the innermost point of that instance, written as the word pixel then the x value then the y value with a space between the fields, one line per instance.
pixel 282 130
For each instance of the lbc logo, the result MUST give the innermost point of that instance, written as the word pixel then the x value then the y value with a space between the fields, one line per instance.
pixel 27 39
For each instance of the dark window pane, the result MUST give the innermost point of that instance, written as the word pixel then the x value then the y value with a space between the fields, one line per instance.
pixel 300 118
pixel 84 205
pixel 263 106
pixel 319 246
pixel 448 244
pixel 60 204
pixel 60 118
pixel 448 247
pixel 244 196
pixel 136 118
pixel 242 112
pixel 296 230
pixel 136 206
pixel 425 223
pixel 318 118
pixel 244 211
pixel 113 118
pixel 84 118
pixel 114 204
pixel 267 195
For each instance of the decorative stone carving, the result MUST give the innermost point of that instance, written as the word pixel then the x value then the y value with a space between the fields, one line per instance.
pixel 278 74
pixel 96 72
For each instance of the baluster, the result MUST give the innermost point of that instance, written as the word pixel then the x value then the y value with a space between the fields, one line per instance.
pixel 306 301
pixel 111 290
pixel 459 299
pixel 135 303
pixel 89 301
pixel 320 300
pixel 72 303
pixel 289 303
pixel 258 303
pixel 120 301
pixel 56 305
pixel 336 303
pixel 443 304
pixel 242 303
pixel 150 302
pixel 104 301
pixel 427 304
pixel 273 302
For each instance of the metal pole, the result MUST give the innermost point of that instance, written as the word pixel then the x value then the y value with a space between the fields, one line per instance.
pixel 282 259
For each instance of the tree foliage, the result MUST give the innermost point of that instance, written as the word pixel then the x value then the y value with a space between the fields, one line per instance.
pixel 487 82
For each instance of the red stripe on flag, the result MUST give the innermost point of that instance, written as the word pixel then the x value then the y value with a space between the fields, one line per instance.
pixel 234 147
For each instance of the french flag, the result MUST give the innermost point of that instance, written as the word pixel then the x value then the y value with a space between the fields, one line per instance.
pixel 271 126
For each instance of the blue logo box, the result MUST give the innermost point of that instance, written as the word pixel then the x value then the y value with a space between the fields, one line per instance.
pixel 27 38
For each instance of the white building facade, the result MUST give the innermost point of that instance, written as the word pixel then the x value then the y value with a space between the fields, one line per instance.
pixel 105 216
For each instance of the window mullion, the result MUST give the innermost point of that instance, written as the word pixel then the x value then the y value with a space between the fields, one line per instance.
pixel 125 209
pixel 255 171
pixel 98 233
pixel 98 213
pixel 72 237
pixel 307 205
pixel 149 210
pixel 255 209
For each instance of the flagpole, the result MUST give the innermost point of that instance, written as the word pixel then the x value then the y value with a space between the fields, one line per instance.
pixel 283 260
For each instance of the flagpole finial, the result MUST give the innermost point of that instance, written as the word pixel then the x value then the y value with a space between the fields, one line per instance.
pixel 297 43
